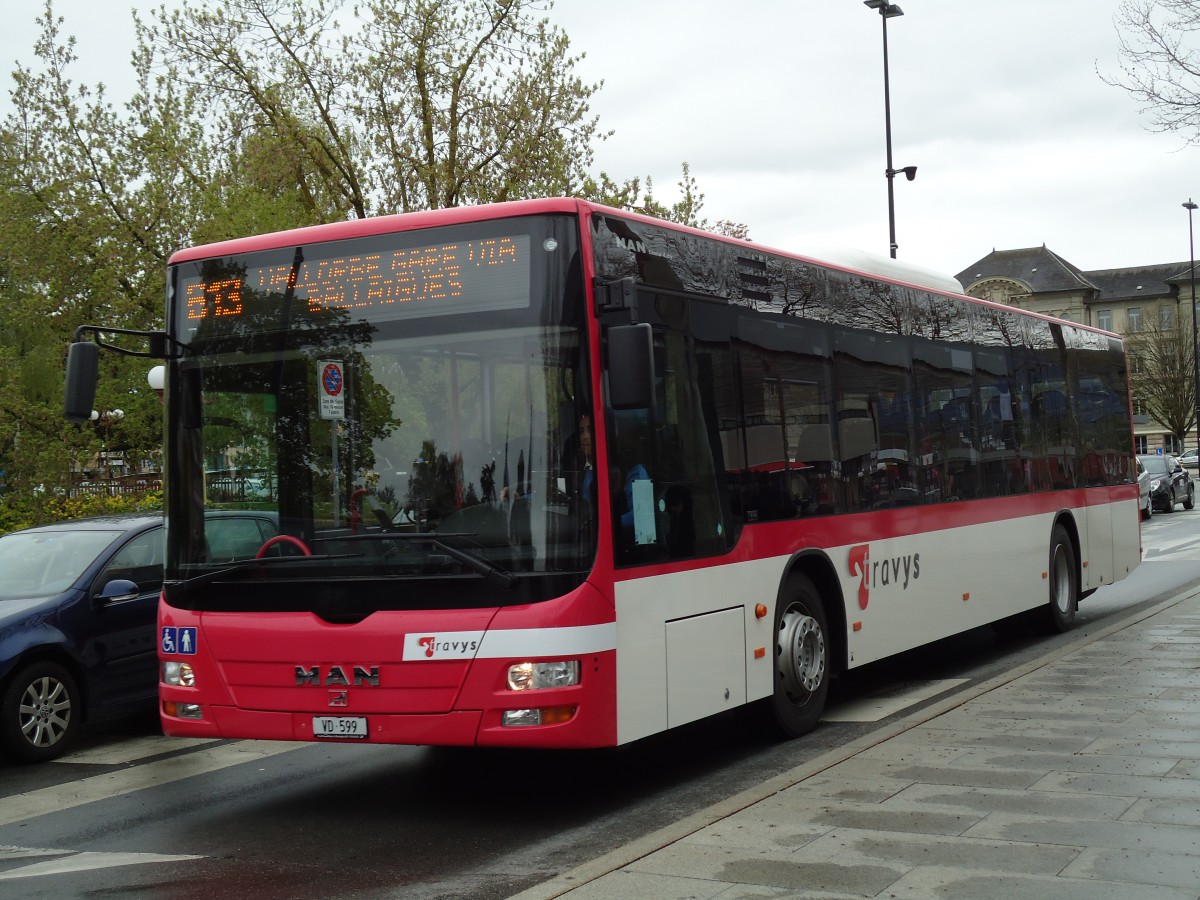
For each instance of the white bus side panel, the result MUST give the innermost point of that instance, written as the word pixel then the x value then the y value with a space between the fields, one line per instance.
pixel 683 636
pixel 1127 537
pixel 653 690
pixel 910 590
pixel 1118 550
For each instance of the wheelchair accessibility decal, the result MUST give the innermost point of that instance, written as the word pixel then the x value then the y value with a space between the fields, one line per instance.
pixel 179 640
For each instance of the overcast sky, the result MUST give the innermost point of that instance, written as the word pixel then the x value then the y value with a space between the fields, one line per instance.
pixel 778 108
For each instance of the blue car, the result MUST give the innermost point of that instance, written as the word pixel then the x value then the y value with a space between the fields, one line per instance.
pixel 78 616
pixel 78 605
pixel 78 612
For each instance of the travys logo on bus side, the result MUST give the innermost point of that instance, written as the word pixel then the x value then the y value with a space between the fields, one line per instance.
pixel 895 572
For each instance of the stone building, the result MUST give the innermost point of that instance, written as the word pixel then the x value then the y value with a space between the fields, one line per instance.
pixel 1122 300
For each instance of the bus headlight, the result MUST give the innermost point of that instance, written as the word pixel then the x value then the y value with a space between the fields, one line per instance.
pixel 178 673
pixel 182 710
pixel 551 715
pixel 531 676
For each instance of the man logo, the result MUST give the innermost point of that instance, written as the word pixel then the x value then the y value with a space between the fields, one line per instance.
pixel 336 675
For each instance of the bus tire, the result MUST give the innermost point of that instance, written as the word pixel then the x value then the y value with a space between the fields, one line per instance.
pixel 1064 581
pixel 802 669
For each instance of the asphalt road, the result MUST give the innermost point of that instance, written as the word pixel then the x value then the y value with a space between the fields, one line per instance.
pixel 133 814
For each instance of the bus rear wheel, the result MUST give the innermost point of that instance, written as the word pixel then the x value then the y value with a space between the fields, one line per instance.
pixel 801 659
pixel 1064 581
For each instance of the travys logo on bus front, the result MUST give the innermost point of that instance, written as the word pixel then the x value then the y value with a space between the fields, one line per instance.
pixel 446 645
pixel 888 573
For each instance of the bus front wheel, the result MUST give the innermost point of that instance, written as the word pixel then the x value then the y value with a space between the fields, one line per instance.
pixel 1064 581
pixel 801 659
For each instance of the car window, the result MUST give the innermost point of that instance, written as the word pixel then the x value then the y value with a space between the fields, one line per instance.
pixel 139 561
pixel 235 537
pixel 41 563
pixel 1156 465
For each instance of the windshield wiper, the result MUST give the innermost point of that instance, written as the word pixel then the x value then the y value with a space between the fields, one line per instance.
pixel 206 577
pixel 501 578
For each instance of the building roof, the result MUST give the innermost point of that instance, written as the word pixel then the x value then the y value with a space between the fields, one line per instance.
pixel 1039 268
pixel 1137 281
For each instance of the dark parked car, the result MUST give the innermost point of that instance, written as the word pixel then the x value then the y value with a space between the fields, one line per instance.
pixel 78 602
pixel 78 610
pixel 1170 482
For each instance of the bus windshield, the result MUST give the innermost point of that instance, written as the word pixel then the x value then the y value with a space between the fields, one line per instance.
pixel 402 405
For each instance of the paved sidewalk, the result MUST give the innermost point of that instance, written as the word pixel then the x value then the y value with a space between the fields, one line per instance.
pixel 1074 776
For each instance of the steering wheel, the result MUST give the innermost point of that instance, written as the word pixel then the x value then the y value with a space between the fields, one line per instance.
pixel 282 539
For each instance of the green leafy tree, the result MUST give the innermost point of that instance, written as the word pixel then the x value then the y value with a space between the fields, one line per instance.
pixel 253 116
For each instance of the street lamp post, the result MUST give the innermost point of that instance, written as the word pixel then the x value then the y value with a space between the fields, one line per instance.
pixel 889 11
pixel 1189 206
pixel 106 420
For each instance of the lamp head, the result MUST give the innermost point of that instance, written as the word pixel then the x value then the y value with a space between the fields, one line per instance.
pixel 887 10
pixel 1189 206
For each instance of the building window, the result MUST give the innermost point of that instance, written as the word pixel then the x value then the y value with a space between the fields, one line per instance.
pixel 1133 318
pixel 1140 444
pixel 1066 317
pixel 1104 319
pixel 1166 317
pixel 1172 444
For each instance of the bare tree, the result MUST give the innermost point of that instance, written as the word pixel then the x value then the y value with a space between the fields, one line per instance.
pixel 1164 367
pixel 1160 63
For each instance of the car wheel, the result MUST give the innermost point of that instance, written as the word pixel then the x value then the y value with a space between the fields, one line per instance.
pixel 1189 502
pixel 1147 510
pixel 39 712
pixel 1171 501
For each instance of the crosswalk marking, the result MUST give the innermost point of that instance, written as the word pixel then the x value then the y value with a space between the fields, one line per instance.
pixel 68 861
pixel 125 781
pixel 1187 549
pixel 130 750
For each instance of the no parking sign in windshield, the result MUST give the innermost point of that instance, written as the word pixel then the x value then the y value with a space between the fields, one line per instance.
pixel 331 389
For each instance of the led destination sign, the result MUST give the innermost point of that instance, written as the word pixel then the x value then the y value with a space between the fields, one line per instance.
pixel 439 279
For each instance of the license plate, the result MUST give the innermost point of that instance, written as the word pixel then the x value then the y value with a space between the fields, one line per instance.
pixel 339 726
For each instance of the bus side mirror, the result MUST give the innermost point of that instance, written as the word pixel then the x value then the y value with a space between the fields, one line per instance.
pixel 631 366
pixel 83 371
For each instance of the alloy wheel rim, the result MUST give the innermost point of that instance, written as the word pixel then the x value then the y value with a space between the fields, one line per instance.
pixel 45 712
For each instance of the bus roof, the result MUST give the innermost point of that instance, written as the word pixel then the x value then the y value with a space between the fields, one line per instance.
pixel 886 267
pixel 353 228
pixel 856 260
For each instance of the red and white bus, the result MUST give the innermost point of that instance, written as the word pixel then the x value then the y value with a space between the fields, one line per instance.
pixel 556 475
